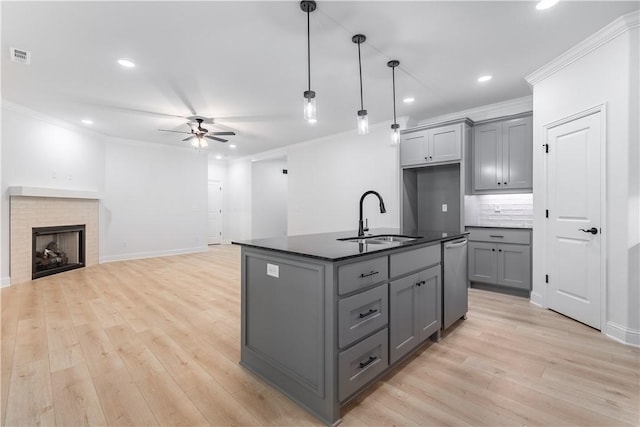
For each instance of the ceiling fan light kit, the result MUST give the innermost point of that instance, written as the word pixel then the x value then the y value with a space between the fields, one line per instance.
pixel 198 134
pixel 395 132
pixel 363 118
pixel 310 115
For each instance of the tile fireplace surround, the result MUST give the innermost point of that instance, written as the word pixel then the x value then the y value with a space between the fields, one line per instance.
pixel 39 207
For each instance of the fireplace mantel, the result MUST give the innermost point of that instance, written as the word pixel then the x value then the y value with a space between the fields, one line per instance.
pixel 54 192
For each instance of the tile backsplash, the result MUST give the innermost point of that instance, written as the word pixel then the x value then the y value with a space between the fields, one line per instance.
pixel 511 210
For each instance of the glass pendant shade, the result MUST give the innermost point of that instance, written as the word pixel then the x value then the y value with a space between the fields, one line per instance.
pixel 310 106
pixel 395 134
pixel 363 122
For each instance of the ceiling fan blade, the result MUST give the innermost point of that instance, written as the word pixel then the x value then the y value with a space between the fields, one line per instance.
pixel 175 131
pixel 222 133
pixel 216 139
pixel 189 138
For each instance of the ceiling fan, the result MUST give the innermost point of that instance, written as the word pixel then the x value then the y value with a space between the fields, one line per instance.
pixel 198 133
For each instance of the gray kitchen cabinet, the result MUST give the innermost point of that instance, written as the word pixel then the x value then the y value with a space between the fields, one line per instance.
pixel 414 310
pixel 317 323
pixel 434 145
pixel 500 257
pixel 483 262
pixel 502 155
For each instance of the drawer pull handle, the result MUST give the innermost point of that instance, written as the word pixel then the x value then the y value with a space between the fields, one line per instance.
pixel 369 274
pixel 368 362
pixel 495 235
pixel 368 313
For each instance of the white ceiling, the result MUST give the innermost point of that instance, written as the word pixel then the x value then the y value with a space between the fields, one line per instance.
pixel 244 63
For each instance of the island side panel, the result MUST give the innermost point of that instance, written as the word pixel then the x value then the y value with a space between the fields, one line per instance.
pixel 288 327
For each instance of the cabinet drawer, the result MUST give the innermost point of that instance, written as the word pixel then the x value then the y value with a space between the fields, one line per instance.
pixel 500 235
pixel 417 259
pixel 352 277
pixel 361 363
pixel 361 314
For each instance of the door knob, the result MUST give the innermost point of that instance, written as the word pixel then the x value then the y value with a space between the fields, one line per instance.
pixel 592 230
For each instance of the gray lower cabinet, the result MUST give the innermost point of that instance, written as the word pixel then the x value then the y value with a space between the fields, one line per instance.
pixel 414 308
pixel 320 331
pixel 507 263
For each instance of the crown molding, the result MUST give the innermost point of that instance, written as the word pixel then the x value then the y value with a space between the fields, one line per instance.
pixel 618 27
pixel 485 112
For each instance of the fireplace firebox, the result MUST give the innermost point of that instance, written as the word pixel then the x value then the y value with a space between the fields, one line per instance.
pixel 57 249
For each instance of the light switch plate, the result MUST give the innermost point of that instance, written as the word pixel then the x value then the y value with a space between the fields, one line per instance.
pixel 273 270
pixel 444 207
pixel 496 208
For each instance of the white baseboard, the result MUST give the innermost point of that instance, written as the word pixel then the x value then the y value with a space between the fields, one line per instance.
pixel 622 334
pixel 536 299
pixel 153 254
pixel 5 281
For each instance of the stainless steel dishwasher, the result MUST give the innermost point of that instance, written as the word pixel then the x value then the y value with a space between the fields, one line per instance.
pixel 455 302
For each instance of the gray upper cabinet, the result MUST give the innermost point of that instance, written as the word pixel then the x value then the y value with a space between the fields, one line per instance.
pixel 435 145
pixel 502 155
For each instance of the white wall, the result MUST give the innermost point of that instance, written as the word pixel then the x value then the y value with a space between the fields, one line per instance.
pixel 155 197
pixel 155 201
pixel 237 201
pixel 269 198
pixel 38 151
pixel 606 76
pixel 327 176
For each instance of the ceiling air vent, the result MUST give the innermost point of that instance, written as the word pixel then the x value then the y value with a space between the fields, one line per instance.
pixel 20 55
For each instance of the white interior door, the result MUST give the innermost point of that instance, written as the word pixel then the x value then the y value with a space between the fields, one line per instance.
pixel 214 213
pixel 574 256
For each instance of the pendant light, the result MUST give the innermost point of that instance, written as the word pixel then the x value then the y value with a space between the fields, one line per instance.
pixel 395 133
pixel 309 6
pixel 363 119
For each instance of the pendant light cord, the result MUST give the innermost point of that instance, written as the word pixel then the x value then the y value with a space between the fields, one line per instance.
pixel 308 51
pixel 393 77
pixel 360 67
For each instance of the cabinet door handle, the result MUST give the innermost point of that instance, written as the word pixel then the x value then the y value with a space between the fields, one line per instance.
pixel 417 283
pixel 423 282
pixel 493 250
pixel 372 273
pixel 499 183
pixel 496 235
pixel 505 183
pixel 368 362
pixel 368 313
pixel 499 250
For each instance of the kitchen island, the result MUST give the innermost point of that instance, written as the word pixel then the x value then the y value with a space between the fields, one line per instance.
pixel 324 317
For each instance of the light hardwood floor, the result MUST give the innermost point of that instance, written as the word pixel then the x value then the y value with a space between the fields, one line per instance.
pixel 156 342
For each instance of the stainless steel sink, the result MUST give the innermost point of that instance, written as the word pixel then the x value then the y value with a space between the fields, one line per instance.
pixel 393 238
pixel 385 239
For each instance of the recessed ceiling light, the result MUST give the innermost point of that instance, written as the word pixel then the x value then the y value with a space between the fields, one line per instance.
pixel 219 157
pixel 484 78
pixel 126 63
pixel 312 121
pixel 87 121
pixel 408 100
pixel 546 4
pixel 232 145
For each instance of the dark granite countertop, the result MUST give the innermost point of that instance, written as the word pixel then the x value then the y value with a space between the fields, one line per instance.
pixel 326 247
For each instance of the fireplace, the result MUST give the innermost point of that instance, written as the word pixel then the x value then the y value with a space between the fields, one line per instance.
pixel 57 249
